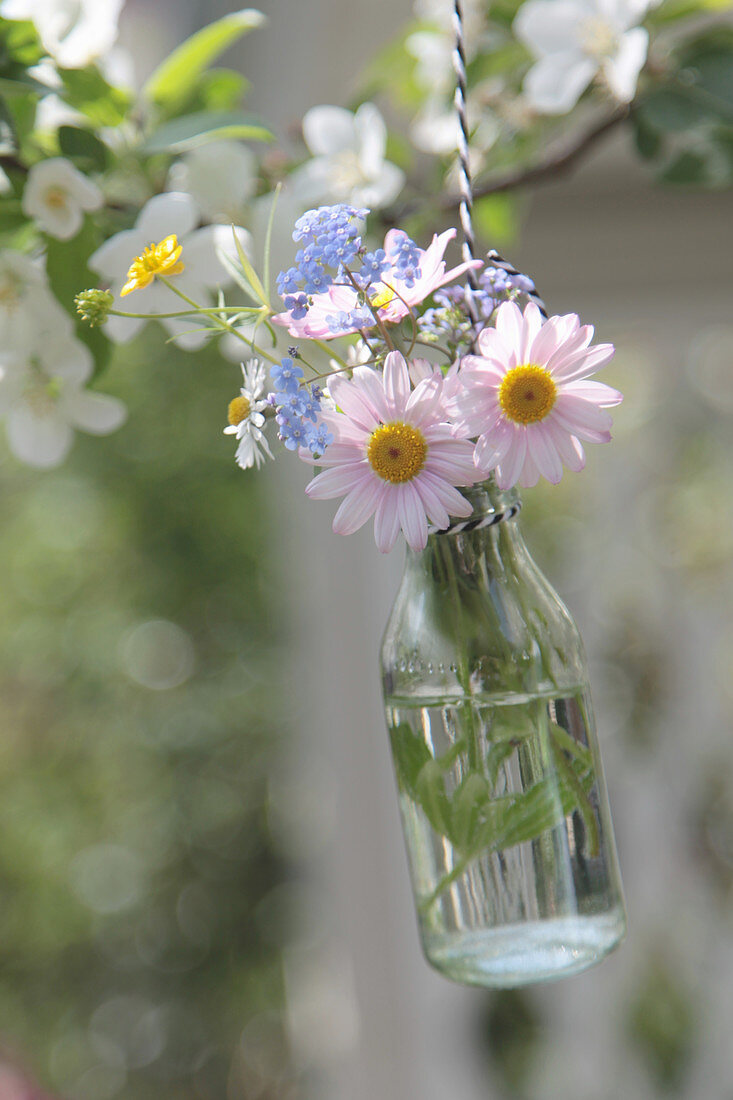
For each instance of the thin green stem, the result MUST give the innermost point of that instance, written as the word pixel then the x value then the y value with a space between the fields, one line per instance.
pixel 212 314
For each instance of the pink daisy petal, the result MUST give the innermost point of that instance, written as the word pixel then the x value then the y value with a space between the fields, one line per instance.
pixel 541 450
pixel 369 383
pixel 447 495
pixel 507 474
pixel 567 446
pixel 413 520
pixel 575 410
pixel 354 401
pixel 356 508
pixel 338 480
pixel 386 523
pixel 510 326
pixel 396 383
pixel 596 392
pixel 531 326
pixel 581 363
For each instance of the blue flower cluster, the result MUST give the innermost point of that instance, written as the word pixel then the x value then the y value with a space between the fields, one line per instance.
pixel 331 238
pixel 449 319
pixel 405 257
pixel 298 409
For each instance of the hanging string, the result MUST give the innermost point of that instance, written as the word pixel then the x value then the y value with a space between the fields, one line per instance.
pixel 465 208
pixel 464 169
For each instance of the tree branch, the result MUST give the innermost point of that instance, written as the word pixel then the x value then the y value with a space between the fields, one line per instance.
pixel 561 158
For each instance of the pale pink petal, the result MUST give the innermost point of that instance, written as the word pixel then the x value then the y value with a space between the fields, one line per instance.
pixel 584 362
pixel 530 474
pixel 509 325
pixel 493 445
pixel 582 413
pixel 339 480
pixel 597 392
pixel 547 341
pixel 425 403
pixel 370 381
pixel 448 496
pixel 541 450
pixel 567 446
pixel 356 508
pixel 436 511
pixel 507 474
pixel 413 520
pixel 386 522
pixel 530 329
pixel 354 402
pixel 396 383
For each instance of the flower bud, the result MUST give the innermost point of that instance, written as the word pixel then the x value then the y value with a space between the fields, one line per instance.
pixel 94 305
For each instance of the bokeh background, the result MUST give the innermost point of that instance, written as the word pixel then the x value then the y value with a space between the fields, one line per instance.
pixel 203 892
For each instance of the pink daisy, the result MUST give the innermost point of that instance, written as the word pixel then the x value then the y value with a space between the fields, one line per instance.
pixel 396 455
pixel 528 399
pixel 392 297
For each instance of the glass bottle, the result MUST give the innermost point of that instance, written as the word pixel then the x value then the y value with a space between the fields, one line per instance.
pixel 502 795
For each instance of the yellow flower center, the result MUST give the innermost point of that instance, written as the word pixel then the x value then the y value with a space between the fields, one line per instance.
pixel 384 297
pixel 397 452
pixel 56 198
pixel 527 393
pixel 239 410
pixel 156 259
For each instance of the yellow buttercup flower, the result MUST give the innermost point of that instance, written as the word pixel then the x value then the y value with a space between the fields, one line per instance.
pixel 156 259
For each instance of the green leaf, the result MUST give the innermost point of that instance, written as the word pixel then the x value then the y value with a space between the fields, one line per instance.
pixel 218 90
pixel 431 795
pixel 690 168
pixel 410 754
pixel 178 75
pixel 68 274
pixel 496 218
pixel 84 148
pixel 20 45
pixel 469 805
pixel 671 110
pixel 189 132
pixel 88 91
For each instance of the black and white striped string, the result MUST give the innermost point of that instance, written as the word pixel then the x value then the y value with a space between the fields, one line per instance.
pixel 475 524
pixel 468 247
pixel 465 209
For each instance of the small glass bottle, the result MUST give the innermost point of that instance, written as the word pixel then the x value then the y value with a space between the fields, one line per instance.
pixel 502 795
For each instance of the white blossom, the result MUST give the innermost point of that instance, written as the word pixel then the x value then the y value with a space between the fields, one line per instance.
pixel 57 195
pixel 172 212
pixel 43 398
pixel 221 176
pixel 348 164
pixel 575 40
pixel 25 297
pixel 74 32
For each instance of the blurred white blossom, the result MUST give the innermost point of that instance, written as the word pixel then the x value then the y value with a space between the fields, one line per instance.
pixel 25 297
pixel 348 162
pixel 43 399
pixel 221 176
pixel 74 32
pixel 163 215
pixel 573 41
pixel 57 195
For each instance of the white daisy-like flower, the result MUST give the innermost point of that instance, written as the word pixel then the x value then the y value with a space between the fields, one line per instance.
pixel 348 163
pixel 43 398
pixel 57 195
pixel 573 41
pixel 246 419
pixel 164 215
pixel 74 32
pixel 221 176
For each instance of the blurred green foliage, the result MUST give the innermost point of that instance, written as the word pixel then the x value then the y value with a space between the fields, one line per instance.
pixel 138 649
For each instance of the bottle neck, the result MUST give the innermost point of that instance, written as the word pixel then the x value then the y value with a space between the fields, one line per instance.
pixel 486 540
